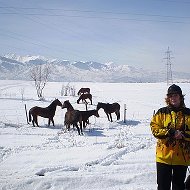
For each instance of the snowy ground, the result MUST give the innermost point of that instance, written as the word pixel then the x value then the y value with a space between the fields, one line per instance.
pixel 109 156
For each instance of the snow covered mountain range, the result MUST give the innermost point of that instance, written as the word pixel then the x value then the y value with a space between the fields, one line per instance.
pixel 14 67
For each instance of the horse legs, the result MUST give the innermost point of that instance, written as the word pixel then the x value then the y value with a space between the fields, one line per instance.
pixel 67 127
pixel 32 119
pixel 77 128
pixel 117 114
pixel 84 124
pixel 35 120
pixel 51 120
pixel 81 128
pixel 110 117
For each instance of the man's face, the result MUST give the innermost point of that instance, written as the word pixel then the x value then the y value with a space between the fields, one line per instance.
pixel 175 100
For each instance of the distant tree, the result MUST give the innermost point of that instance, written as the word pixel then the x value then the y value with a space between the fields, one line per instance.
pixel 40 74
pixel 22 93
pixel 68 90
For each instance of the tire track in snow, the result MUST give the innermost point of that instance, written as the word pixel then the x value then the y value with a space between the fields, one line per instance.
pixel 42 172
pixel 131 147
pixel 105 161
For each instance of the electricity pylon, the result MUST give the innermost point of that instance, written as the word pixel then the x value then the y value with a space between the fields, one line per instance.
pixel 168 67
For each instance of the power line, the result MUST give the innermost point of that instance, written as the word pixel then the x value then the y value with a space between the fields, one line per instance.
pixel 49 26
pixel 85 11
pixel 28 41
pixel 172 1
pixel 98 17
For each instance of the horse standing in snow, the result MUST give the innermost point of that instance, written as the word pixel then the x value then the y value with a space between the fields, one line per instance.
pixel 47 112
pixel 71 117
pixel 110 108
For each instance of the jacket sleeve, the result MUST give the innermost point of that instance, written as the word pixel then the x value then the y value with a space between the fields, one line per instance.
pixel 186 133
pixel 158 129
pixel 186 127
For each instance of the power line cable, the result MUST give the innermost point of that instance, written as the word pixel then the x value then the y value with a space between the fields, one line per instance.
pixel 75 52
pixel 87 11
pixel 98 17
pixel 37 44
pixel 172 1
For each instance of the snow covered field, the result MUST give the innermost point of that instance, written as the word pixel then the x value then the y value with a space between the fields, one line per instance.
pixel 109 156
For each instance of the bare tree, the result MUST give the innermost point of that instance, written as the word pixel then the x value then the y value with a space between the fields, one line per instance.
pixel 22 93
pixel 68 90
pixel 40 75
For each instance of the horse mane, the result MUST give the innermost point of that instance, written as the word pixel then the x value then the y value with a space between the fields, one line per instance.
pixel 54 104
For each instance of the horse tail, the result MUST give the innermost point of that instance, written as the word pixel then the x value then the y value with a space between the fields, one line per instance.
pixel 30 118
pixel 118 115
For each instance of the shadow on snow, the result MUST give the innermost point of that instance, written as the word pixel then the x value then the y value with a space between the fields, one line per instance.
pixel 129 122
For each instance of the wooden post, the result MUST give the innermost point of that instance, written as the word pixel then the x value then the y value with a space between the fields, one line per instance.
pixel 124 120
pixel 26 114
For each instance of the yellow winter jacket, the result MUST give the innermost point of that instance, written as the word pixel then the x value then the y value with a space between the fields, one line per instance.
pixel 163 125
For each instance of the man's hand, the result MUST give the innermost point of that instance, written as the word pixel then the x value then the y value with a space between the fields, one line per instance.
pixel 178 135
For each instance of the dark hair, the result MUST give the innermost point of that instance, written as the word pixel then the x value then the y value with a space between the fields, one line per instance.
pixel 182 104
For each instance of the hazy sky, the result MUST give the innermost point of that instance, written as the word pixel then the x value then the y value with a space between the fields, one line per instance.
pixel 132 32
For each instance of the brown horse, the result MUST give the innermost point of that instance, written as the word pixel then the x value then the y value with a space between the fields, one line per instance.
pixel 83 91
pixel 47 112
pixel 67 104
pixel 110 108
pixel 71 117
pixel 83 97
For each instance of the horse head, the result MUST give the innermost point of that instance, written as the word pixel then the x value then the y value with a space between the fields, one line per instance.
pixel 99 105
pixel 57 102
pixel 67 104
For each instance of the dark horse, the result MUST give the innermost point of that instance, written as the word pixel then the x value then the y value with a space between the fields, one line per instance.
pixel 84 116
pixel 47 112
pixel 83 91
pixel 71 116
pixel 110 108
pixel 83 97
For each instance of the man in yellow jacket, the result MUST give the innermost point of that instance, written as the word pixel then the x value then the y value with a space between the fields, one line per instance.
pixel 171 126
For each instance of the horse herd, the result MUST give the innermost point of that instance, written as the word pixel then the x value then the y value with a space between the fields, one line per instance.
pixel 72 116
